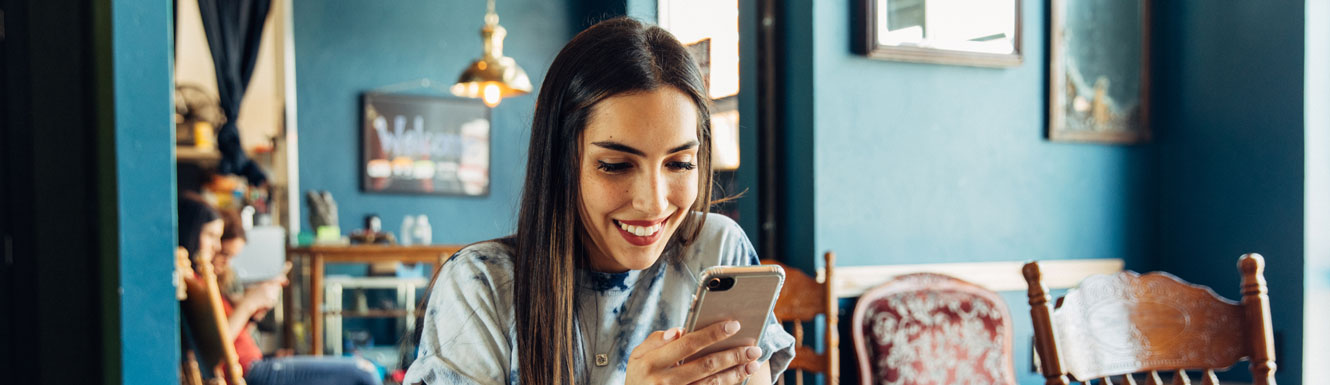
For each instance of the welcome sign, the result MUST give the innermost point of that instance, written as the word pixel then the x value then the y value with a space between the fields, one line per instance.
pixel 425 145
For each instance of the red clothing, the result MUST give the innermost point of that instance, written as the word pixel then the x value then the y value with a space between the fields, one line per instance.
pixel 246 349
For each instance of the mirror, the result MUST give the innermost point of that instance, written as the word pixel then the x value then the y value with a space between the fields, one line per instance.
pixel 963 32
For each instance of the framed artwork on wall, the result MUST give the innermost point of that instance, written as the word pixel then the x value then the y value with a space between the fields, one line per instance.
pixel 983 33
pixel 1099 71
pixel 415 144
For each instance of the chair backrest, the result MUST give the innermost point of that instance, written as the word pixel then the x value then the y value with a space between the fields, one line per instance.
pixel 802 299
pixel 205 318
pixel 1127 323
pixel 932 329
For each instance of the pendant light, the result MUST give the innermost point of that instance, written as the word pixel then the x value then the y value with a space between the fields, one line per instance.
pixel 494 76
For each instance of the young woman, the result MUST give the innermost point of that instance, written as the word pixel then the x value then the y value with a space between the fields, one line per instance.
pixel 201 232
pixel 612 236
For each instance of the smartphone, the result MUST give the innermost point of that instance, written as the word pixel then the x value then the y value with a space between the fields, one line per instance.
pixel 741 293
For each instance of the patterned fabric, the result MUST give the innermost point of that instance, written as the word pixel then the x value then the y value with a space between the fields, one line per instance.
pixel 937 337
pixel 469 330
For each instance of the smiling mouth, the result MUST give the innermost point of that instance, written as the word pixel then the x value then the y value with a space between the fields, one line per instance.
pixel 641 233
pixel 641 230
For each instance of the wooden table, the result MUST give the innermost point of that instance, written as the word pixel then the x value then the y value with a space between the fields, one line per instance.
pixel 315 257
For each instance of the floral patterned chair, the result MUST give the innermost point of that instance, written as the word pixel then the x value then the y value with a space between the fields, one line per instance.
pixel 931 329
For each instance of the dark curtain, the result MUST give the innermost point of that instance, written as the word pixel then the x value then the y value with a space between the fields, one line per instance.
pixel 234 28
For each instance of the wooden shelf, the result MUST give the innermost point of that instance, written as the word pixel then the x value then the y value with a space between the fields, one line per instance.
pixel 196 154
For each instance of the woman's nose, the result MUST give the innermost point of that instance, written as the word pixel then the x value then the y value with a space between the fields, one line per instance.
pixel 651 193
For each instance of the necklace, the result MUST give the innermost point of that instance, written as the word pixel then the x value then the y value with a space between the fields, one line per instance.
pixel 600 359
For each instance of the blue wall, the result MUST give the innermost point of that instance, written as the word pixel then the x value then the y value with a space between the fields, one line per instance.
pixel 935 163
pixel 345 48
pixel 145 180
pixel 924 163
pixel 1230 143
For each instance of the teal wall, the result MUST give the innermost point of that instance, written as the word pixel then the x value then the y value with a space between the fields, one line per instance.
pixel 935 163
pixel 905 163
pixel 145 191
pixel 1230 144
pixel 345 48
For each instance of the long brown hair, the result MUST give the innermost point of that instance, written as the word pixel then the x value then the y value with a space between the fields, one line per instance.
pixel 614 57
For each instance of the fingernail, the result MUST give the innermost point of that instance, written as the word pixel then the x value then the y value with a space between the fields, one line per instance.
pixel 671 334
pixel 732 327
pixel 751 368
pixel 753 352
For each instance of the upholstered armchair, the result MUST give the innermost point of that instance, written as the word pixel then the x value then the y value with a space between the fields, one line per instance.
pixel 931 329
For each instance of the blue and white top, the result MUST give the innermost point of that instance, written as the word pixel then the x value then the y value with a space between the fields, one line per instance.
pixel 470 333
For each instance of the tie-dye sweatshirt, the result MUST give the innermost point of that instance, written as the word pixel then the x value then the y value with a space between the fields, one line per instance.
pixel 469 334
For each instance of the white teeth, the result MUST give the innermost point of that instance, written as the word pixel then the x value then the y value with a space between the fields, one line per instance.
pixel 639 230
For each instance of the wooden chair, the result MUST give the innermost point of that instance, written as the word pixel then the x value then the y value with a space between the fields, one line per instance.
pixel 932 329
pixel 1125 323
pixel 205 319
pixel 802 299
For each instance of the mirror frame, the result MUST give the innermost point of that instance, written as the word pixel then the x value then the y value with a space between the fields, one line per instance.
pixel 866 44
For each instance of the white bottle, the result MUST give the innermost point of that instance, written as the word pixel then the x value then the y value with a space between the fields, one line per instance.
pixel 407 231
pixel 424 234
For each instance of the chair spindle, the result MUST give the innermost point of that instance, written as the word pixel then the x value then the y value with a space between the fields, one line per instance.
pixel 1181 378
pixel 1128 380
pixel 1153 378
pixel 1209 378
pixel 1106 381
pixel 1256 303
pixel 1049 362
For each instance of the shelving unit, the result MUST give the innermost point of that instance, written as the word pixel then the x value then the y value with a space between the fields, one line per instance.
pixel 335 288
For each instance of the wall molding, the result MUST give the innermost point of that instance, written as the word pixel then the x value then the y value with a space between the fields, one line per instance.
pixel 851 281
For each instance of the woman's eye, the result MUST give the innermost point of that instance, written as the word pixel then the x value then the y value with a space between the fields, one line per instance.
pixel 681 166
pixel 612 168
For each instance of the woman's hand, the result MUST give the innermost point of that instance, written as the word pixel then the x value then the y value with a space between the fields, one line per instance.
pixel 184 269
pixel 260 297
pixel 656 360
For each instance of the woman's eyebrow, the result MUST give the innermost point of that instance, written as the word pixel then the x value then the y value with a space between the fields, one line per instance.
pixel 620 147
pixel 685 146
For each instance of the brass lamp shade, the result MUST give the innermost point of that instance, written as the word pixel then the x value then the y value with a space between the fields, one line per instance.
pixel 493 76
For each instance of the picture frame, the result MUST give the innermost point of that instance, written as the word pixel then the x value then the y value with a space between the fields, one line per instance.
pixel 977 33
pixel 1099 71
pixel 418 144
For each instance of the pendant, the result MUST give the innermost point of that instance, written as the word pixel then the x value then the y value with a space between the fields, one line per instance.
pixel 602 360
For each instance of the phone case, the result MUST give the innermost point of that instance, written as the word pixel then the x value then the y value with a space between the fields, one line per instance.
pixel 749 301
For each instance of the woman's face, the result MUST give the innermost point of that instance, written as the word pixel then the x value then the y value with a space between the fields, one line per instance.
pixel 230 248
pixel 210 240
pixel 639 175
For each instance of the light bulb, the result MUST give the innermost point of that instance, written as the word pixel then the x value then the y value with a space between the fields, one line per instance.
pixel 491 95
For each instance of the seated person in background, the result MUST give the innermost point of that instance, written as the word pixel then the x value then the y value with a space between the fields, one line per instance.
pixel 612 234
pixel 200 234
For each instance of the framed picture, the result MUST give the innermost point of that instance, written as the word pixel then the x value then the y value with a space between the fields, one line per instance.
pixel 983 33
pixel 424 145
pixel 1099 71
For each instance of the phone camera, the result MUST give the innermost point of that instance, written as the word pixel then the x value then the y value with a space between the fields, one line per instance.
pixel 720 283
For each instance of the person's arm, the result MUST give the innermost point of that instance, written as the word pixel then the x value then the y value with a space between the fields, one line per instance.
pixel 257 299
pixel 464 337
